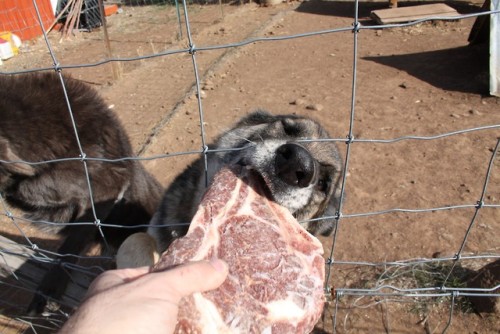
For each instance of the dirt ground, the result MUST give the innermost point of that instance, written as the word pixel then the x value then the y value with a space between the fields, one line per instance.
pixel 422 80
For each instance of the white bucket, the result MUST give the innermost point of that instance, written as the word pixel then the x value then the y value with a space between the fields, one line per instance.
pixel 6 51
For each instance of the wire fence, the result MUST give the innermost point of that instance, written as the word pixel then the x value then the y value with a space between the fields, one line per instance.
pixel 419 282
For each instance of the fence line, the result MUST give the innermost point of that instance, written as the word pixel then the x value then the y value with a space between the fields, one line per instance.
pixel 357 27
pixel 385 290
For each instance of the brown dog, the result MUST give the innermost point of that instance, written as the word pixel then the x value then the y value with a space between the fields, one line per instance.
pixel 36 127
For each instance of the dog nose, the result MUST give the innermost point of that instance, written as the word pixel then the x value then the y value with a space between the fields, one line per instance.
pixel 294 165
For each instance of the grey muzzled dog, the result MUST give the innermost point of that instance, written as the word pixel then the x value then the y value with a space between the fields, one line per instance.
pixel 301 174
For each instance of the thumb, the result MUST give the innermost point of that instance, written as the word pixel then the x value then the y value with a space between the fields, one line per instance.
pixel 113 278
pixel 199 276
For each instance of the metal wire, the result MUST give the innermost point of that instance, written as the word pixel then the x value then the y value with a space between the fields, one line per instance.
pixel 384 290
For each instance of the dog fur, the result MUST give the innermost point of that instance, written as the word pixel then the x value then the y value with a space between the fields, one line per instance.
pixel 301 175
pixel 36 127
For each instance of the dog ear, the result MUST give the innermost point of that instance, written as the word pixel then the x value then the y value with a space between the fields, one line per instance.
pixel 7 154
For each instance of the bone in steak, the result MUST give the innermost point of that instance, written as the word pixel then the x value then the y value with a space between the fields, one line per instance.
pixel 276 268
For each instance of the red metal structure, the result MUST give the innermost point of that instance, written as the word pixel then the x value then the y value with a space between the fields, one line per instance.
pixel 19 17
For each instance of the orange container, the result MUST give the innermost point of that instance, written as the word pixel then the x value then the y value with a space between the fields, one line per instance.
pixel 110 9
pixel 20 17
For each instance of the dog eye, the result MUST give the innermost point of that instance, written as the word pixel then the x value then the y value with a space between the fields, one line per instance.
pixel 323 184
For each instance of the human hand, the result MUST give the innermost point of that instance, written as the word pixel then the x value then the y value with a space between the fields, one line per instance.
pixel 137 301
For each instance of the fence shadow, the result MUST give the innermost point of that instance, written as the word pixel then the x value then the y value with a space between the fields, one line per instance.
pixel 439 67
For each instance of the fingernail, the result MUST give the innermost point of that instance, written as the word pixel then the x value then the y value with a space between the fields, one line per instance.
pixel 219 265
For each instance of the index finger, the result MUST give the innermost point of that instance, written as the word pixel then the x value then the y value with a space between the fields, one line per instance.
pixel 185 279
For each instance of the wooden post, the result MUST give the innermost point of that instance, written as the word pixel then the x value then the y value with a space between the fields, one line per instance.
pixel 495 49
pixel 114 65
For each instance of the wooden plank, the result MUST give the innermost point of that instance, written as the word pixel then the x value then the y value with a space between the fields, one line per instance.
pixel 412 13
pixel 12 326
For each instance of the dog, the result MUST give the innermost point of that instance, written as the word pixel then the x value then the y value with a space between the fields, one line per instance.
pixel 36 127
pixel 301 174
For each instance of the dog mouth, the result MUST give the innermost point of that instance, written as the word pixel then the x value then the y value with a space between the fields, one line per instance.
pixel 257 178
pixel 288 163
pixel 292 197
pixel 287 169
pixel 264 187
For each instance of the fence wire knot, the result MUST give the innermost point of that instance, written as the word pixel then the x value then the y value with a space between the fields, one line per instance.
pixel 386 275
pixel 356 27
pixel 192 49
pixel 57 67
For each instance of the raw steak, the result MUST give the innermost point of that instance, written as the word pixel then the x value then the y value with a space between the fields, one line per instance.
pixel 276 268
